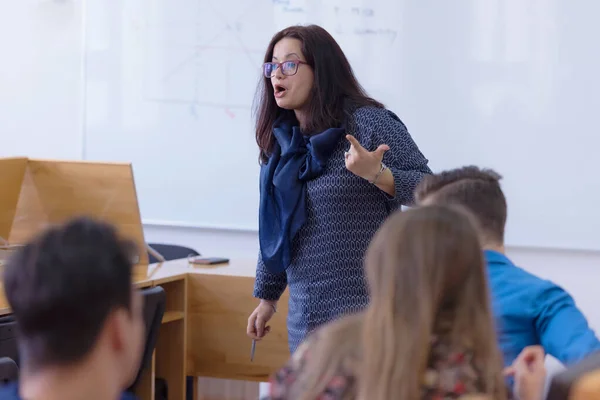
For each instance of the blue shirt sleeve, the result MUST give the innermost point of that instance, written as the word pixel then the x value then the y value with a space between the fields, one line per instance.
pixel 562 328
pixel 9 391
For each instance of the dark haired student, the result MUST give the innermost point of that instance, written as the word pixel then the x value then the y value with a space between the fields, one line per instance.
pixel 80 328
pixel 528 310
pixel 334 164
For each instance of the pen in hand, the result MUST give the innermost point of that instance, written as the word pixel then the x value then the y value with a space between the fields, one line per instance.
pixel 253 348
pixel 253 330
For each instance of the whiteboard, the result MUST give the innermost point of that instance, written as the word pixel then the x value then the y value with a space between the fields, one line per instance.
pixel 508 84
pixel 41 79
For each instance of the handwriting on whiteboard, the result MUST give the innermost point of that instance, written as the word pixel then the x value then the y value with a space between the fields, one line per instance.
pixel 356 11
pixel 343 20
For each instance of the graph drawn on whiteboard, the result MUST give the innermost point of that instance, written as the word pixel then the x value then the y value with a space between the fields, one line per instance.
pixel 206 54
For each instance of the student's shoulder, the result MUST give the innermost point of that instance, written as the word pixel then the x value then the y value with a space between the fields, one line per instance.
pixel 128 396
pixel 9 392
pixel 535 286
pixel 527 276
pixel 520 275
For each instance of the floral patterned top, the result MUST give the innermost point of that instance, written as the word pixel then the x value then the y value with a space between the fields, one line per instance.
pixel 451 374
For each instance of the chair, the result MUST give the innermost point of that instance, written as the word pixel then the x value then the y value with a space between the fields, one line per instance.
pixel 9 371
pixel 8 338
pixel 170 252
pixel 563 383
pixel 9 351
pixel 154 309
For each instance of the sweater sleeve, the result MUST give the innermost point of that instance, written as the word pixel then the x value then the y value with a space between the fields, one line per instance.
pixel 404 159
pixel 267 285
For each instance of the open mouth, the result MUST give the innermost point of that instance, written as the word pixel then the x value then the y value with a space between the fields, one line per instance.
pixel 279 90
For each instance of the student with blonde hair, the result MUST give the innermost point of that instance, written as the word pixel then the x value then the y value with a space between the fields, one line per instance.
pixel 428 331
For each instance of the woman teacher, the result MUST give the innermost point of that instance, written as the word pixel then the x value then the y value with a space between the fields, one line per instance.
pixel 334 164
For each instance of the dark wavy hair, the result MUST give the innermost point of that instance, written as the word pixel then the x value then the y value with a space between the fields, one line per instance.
pixel 334 90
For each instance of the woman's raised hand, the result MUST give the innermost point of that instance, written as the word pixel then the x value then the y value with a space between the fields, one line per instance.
pixel 361 162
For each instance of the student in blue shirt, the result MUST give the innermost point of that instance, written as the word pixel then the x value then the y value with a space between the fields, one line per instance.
pixel 528 310
pixel 80 324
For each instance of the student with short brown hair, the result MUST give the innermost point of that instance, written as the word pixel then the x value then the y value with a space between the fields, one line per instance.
pixel 528 310
pixel 79 319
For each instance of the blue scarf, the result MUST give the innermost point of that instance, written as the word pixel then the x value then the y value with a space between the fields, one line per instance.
pixel 282 212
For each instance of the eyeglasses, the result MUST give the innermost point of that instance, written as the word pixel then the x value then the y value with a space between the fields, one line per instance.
pixel 288 68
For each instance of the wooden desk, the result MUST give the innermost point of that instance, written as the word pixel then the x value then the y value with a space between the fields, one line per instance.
pixel 204 327
pixel 219 302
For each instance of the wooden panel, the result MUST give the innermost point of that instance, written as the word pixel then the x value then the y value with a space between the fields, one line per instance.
pixel 218 347
pixel 171 316
pixel 4 307
pixel 65 189
pixel 12 171
pixel 172 341
pixel 170 358
pixel 175 295
pixel 30 216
